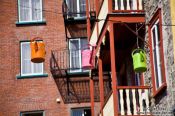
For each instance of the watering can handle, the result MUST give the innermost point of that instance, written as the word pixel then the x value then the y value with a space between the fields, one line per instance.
pixel 36 45
pixel 136 50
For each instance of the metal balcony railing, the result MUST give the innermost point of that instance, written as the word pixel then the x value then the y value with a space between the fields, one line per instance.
pixel 71 60
pixel 74 9
pixel 73 90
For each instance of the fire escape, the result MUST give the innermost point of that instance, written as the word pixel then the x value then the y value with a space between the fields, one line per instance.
pixel 66 65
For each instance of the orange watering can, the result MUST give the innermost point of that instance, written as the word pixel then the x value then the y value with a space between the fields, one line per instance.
pixel 37 51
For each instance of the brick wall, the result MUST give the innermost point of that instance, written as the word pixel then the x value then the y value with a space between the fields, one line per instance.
pixel 164 103
pixel 35 93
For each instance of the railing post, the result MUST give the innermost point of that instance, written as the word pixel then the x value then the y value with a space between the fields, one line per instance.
pixel 110 6
pixel 128 102
pixel 121 5
pixel 122 111
pixel 134 102
pixel 128 5
pixel 140 5
pixel 101 85
pixel 113 68
pixel 134 2
pixel 92 94
pixel 88 20
pixel 116 5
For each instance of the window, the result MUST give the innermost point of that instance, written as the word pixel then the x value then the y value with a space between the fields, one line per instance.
pixel 75 47
pixel 77 7
pixel 27 67
pixel 81 112
pixel 157 56
pixel 34 113
pixel 30 10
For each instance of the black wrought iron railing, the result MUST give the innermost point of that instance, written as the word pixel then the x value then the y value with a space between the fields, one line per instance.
pixel 68 59
pixel 76 8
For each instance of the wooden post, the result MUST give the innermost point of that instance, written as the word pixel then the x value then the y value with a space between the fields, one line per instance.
pixel 101 86
pixel 92 94
pixel 88 20
pixel 113 68
pixel 110 6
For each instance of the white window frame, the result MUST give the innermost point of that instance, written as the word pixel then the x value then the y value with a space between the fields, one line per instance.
pixel 32 64
pixel 158 77
pixel 78 8
pixel 70 57
pixel 41 14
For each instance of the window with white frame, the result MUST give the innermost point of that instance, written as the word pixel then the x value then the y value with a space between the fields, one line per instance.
pixel 28 67
pixel 75 47
pixel 30 10
pixel 77 7
pixel 157 53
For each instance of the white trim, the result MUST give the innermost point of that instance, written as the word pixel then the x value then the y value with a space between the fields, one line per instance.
pixel 32 64
pixel 156 47
pixel 70 57
pixel 30 16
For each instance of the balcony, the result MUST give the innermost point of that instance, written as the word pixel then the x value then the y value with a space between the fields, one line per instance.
pixel 117 11
pixel 74 14
pixel 132 100
pixel 73 81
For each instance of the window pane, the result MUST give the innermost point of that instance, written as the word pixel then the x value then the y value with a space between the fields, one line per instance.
pixel 156 55
pixel 77 112
pixel 84 43
pixel 24 10
pixel 27 67
pixel 26 63
pixel 37 67
pixel 36 10
pixel 75 53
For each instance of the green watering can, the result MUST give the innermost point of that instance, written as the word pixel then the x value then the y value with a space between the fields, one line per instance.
pixel 139 60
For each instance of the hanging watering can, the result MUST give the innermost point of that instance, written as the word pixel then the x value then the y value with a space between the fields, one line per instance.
pixel 139 60
pixel 37 51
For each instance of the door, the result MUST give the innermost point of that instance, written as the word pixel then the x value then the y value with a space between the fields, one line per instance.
pixel 75 55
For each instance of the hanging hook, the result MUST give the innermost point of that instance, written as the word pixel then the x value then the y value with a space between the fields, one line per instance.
pixel 137 37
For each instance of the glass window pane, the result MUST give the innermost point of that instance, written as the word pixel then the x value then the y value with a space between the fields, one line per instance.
pixel 25 57
pixel 27 67
pixel 36 10
pixel 24 10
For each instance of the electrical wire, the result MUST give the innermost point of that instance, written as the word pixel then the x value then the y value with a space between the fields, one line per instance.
pixel 97 20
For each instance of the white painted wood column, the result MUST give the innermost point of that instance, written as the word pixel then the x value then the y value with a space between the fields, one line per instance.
pixel 121 102
pixel 128 102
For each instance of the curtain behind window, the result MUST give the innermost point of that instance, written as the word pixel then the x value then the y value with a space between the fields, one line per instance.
pixel 27 67
pixel 24 10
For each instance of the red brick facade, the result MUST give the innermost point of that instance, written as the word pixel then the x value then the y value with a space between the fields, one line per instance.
pixel 18 95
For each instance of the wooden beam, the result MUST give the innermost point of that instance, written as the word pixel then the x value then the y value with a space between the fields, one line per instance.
pixel 130 18
pixel 92 95
pixel 101 84
pixel 88 20
pixel 113 68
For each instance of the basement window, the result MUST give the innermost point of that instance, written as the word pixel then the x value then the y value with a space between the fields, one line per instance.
pixel 81 112
pixel 32 113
